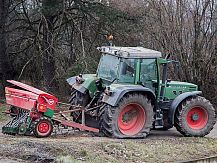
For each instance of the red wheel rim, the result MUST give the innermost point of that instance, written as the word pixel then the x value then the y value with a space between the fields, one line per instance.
pixel 131 119
pixel 43 128
pixel 197 118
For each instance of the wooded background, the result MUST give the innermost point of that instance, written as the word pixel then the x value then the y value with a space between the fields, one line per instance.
pixel 46 41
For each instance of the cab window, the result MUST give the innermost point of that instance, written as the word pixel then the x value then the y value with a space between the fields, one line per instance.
pixel 127 70
pixel 148 72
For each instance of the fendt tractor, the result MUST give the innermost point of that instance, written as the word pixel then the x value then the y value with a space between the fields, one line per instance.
pixel 129 95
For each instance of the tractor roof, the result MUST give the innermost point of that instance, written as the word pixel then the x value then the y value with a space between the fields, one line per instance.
pixel 130 52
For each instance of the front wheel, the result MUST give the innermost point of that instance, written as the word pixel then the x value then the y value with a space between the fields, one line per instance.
pixel 132 118
pixel 195 117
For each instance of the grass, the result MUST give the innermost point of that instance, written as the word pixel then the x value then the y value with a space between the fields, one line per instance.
pixel 163 150
pixel 3 116
pixel 67 159
pixel 99 150
pixel 144 150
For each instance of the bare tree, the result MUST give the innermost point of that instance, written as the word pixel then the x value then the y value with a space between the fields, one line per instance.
pixel 5 66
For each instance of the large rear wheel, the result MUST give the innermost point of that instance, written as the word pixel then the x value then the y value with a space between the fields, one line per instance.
pixel 132 118
pixel 195 117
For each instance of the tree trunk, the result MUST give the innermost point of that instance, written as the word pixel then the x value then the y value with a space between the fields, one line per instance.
pixel 5 66
pixel 50 9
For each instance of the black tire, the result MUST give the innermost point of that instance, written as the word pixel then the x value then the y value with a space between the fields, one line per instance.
pixel 36 127
pixel 111 126
pixel 195 117
pixel 78 99
pixel 82 99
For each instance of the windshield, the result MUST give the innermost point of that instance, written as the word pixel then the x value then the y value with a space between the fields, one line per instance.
pixel 108 67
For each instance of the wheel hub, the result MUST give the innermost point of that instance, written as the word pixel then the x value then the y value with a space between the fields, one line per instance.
pixel 195 117
pixel 128 116
pixel 131 119
pixel 43 127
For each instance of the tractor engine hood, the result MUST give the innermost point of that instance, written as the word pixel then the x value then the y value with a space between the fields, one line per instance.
pixel 182 84
pixel 179 84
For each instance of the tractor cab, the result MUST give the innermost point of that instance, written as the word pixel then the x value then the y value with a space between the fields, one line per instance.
pixel 128 65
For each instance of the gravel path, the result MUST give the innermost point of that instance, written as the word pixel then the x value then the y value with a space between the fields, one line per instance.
pixel 174 133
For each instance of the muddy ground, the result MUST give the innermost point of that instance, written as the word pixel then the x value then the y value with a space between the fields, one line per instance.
pixel 73 146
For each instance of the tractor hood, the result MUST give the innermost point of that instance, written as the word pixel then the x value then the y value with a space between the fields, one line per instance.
pixel 178 84
pixel 175 88
pixel 181 84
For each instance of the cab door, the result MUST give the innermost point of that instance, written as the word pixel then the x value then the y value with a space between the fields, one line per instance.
pixel 148 73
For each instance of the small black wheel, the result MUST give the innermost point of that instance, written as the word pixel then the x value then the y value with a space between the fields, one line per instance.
pixel 42 127
pixel 195 117
pixel 132 118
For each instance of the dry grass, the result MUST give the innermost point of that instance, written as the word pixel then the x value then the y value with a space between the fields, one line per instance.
pixel 95 149
pixel 3 116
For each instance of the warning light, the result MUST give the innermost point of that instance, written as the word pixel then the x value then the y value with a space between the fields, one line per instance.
pixel 109 37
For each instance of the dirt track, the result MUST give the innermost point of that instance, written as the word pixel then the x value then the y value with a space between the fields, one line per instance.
pixel 173 133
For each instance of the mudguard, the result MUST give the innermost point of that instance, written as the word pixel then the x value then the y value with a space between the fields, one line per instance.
pixel 79 87
pixel 120 91
pixel 88 84
pixel 176 103
pixel 71 80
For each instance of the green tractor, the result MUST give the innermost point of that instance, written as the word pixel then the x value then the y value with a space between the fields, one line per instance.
pixel 130 94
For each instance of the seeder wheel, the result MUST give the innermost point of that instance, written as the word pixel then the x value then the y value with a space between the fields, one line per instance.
pixel 42 127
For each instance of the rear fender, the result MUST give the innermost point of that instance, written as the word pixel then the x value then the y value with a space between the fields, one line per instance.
pixel 119 92
pixel 88 84
pixel 71 81
pixel 178 100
